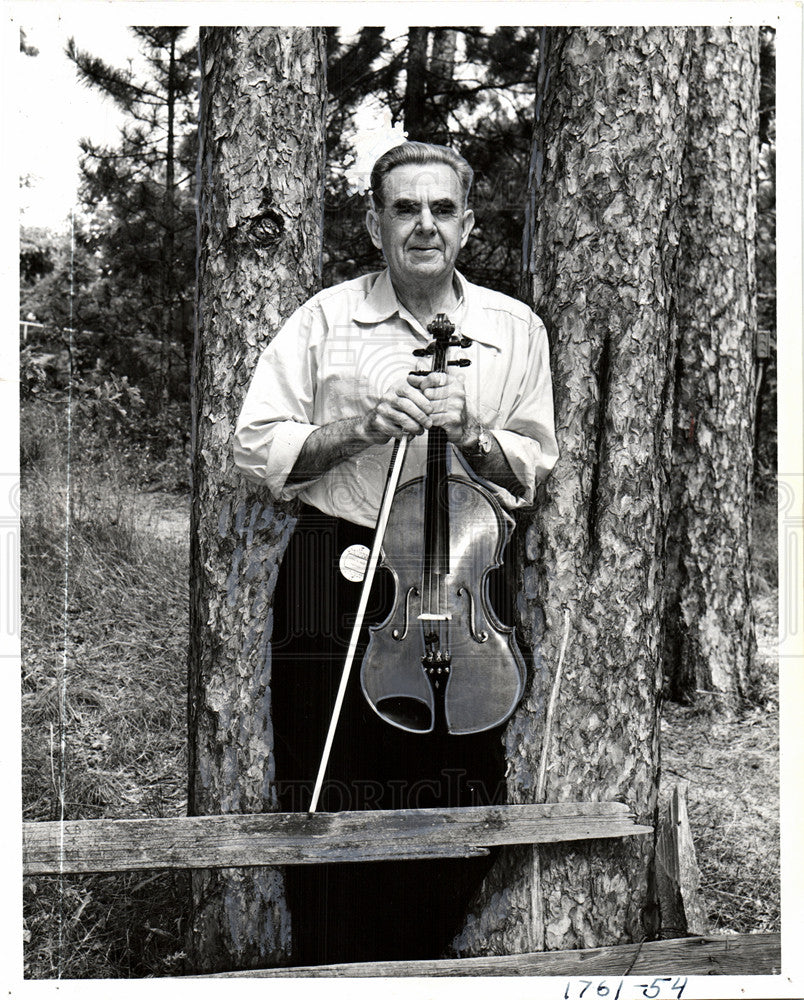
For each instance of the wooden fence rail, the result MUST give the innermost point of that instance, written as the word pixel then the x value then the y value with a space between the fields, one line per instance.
pixel 732 955
pixel 103 845
pixel 80 846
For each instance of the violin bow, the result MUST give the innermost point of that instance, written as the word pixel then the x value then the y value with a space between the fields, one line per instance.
pixel 391 483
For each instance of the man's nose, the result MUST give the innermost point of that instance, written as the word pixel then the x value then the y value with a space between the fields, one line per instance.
pixel 426 219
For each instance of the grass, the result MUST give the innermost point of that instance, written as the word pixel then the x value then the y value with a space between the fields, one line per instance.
pixel 111 664
pixel 733 802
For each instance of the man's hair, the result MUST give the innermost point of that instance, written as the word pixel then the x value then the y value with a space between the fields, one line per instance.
pixel 420 153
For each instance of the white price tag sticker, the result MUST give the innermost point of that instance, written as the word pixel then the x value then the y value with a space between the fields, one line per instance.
pixel 353 562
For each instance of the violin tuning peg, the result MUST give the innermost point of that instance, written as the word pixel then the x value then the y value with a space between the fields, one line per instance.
pixel 419 373
pixel 460 363
pixel 462 342
pixel 421 352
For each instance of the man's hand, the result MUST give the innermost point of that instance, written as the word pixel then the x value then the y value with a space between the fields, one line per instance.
pixel 406 410
pixel 447 396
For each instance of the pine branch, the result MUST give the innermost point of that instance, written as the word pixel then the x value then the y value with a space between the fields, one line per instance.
pixel 117 84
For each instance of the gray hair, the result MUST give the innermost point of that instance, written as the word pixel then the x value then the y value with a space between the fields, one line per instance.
pixel 420 153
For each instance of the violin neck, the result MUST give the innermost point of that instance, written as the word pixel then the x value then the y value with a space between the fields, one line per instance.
pixel 436 506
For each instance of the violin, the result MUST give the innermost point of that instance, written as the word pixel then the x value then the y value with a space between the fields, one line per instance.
pixel 442 660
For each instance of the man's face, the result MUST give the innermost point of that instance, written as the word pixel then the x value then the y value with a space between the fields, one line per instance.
pixel 422 224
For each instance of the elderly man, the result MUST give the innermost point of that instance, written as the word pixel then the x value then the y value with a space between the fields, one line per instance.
pixel 330 394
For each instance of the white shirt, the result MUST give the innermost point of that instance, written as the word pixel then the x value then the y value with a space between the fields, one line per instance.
pixel 340 353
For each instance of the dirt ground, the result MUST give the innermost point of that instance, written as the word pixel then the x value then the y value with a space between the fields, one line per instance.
pixel 165 515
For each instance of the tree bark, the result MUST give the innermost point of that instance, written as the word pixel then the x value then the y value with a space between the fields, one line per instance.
pixel 168 237
pixel 414 109
pixel 261 175
pixel 710 641
pixel 601 254
pixel 440 73
pixel 442 61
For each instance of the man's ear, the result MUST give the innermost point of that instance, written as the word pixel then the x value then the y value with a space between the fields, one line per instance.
pixel 373 226
pixel 467 226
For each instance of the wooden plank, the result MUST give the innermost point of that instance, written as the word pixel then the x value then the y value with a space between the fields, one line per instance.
pixel 677 875
pixel 300 838
pixel 732 955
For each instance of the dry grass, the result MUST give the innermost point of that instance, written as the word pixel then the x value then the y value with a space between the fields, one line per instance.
pixel 110 663
pixel 118 666
pixel 733 798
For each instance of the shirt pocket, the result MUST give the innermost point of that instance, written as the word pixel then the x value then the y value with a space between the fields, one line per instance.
pixel 485 381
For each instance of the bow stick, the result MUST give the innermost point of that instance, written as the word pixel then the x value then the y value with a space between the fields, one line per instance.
pixel 394 472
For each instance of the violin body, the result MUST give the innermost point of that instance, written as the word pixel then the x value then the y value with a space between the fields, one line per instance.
pixel 442 660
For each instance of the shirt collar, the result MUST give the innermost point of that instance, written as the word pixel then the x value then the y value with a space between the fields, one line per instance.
pixel 381 302
pixel 471 319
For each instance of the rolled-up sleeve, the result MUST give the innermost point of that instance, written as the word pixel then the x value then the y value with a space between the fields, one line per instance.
pixel 277 414
pixel 527 436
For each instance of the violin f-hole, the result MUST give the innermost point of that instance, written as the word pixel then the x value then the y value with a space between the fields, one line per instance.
pixel 478 636
pixel 395 633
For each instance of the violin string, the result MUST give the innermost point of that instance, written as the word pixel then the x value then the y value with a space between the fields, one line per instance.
pixel 435 568
pixel 442 496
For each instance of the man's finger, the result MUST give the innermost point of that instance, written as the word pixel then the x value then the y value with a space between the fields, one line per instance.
pixel 439 393
pixel 409 408
pixel 413 395
pixel 427 381
pixel 398 425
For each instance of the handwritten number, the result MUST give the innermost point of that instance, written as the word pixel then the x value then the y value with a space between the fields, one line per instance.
pixel 679 986
pixel 652 991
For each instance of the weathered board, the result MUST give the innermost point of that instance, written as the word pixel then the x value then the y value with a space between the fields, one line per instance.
pixel 677 876
pixel 732 955
pixel 302 838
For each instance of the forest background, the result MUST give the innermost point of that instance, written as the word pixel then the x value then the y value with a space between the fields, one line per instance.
pixel 106 323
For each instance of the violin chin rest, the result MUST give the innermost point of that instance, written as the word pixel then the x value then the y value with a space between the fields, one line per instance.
pixel 407 713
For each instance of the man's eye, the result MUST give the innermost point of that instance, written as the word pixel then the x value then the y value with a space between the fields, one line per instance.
pixel 405 212
pixel 444 211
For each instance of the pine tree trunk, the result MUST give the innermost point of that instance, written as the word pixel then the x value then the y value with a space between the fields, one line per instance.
pixel 168 241
pixel 601 253
pixel 261 169
pixel 710 640
pixel 415 84
pixel 442 60
pixel 441 71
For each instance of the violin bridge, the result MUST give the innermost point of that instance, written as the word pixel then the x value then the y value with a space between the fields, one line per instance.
pixel 435 618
